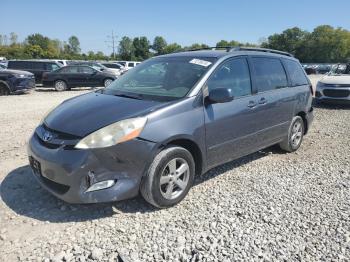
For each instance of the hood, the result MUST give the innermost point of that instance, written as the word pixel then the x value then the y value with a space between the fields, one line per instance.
pixel 336 79
pixel 10 71
pixel 87 113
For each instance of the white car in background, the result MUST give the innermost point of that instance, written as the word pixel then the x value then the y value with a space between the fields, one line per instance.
pixel 334 87
pixel 128 64
pixel 118 69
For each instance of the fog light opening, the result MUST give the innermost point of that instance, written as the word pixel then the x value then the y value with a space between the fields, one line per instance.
pixel 101 185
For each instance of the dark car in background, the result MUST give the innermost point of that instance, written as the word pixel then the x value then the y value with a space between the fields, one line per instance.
pixel 15 81
pixel 37 67
pixel 77 76
pixel 168 119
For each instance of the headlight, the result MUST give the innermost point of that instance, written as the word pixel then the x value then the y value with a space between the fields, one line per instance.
pixel 19 75
pixel 113 134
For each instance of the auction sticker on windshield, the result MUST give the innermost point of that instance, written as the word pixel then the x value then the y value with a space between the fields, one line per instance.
pixel 200 62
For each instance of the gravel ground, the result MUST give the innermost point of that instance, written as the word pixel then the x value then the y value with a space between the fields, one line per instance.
pixel 266 206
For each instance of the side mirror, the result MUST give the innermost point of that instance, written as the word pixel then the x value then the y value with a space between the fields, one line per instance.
pixel 220 95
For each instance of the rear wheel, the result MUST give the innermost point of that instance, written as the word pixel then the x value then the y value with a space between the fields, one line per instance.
pixel 4 91
pixel 60 85
pixel 295 135
pixel 169 177
pixel 107 82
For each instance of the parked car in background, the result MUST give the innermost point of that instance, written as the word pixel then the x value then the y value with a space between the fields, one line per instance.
pixel 128 64
pixel 95 65
pixel 62 62
pixel 15 81
pixel 37 67
pixel 115 67
pixel 77 76
pixel 169 119
pixel 334 87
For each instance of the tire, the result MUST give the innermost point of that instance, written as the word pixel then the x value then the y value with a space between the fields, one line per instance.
pixel 161 185
pixel 107 82
pixel 295 135
pixel 60 85
pixel 4 91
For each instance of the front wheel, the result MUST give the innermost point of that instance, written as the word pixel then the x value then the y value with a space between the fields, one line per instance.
pixel 169 177
pixel 4 91
pixel 107 82
pixel 295 135
pixel 60 85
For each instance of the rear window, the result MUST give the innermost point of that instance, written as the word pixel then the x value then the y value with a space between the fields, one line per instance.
pixel 269 73
pixel 296 73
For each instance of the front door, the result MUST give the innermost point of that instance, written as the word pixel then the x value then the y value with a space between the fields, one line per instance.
pixel 231 127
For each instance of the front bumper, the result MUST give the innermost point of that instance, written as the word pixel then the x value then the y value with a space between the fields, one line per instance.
pixel 22 84
pixel 64 171
pixel 333 94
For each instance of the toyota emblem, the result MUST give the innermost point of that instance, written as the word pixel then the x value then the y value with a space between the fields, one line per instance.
pixel 47 136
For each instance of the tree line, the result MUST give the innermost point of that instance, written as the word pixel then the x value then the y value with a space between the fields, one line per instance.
pixel 323 44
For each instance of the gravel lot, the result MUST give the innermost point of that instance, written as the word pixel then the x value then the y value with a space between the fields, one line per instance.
pixel 266 206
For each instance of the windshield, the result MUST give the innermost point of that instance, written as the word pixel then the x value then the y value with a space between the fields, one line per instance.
pixel 166 78
pixel 340 69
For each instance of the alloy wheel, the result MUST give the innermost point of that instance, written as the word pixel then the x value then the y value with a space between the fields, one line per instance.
pixel 174 178
pixel 297 134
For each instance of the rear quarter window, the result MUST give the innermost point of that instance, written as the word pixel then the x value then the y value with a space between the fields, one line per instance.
pixel 269 73
pixel 296 73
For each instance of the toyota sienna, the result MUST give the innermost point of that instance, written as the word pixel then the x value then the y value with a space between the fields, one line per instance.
pixel 169 119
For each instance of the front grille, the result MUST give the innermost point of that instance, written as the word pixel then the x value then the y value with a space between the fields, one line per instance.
pixel 336 93
pixel 337 85
pixel 58 139
pixel 47 144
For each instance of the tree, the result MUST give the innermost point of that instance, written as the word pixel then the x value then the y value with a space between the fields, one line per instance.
pixel 13 38
pixel 39 40
pixel 159 45
pixel 126 48
pixel 171 48
pixel 74 44
pixel 291 40
pixel 196 46
pixel 141 48
pixel 34 51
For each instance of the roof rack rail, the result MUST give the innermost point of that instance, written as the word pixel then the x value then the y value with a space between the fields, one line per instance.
pixel 243 48
pixel 259 49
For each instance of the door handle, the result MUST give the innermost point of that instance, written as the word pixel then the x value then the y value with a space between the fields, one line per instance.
pixel 252 104
pixel 262 101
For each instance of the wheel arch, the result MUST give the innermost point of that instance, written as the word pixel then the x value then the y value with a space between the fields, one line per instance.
pixel 3 83
pixel 302 114
pixel 192 147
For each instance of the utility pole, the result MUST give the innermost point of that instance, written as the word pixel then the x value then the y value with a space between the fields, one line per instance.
pixel 112 42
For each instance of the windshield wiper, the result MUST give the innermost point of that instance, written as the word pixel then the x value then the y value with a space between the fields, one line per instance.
pixel 139 97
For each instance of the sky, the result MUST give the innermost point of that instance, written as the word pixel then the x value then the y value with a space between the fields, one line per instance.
pixel 181 21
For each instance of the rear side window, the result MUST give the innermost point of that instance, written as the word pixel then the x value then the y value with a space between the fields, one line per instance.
pixel 296 73
pixel 130 64
pixel 69 69
pixel 19 65
pixel 233 74
pixel 86 70
pixel 52 66
pixel 37 65
pixel 269 73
